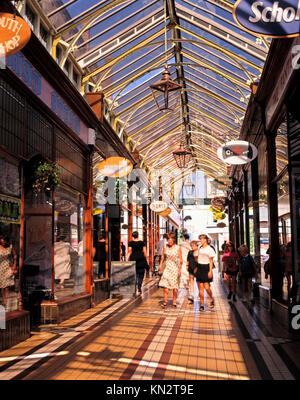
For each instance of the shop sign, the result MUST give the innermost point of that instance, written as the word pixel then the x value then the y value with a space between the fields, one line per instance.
pixel 14 34
pixel 115 167
pixel 166 212
pixel 158 206
pixel 237 152
pixel 281 86
pixel 25 71
pixel 223 182
pixel 10 209
pixel 277 19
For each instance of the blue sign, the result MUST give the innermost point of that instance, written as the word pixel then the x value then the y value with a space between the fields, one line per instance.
pixel 269 18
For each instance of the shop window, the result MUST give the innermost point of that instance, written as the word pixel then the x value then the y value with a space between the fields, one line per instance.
pixel 58 54
pixel 281 148
pixel 72 162
pixel 99 242
pixel 39 134
pixel 30 17
pixel 284 233
pixel 69 248
pixel 76 79
pixel 37 267
pixel 67 67
pixel 10 217
pixel 12 107
pixel 263 211
pixel 43 35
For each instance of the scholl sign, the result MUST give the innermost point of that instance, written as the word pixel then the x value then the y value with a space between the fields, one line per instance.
pixel 269 18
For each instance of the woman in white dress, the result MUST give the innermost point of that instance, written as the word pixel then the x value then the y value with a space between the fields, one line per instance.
pixel 172 257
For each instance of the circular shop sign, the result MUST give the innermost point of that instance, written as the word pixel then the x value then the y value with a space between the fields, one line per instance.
pixel 237 152
pixel 115 167
pixel 158 206
pixel 14 34
pixel 166 212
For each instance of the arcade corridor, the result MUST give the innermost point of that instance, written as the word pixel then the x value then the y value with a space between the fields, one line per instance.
pixel 135 339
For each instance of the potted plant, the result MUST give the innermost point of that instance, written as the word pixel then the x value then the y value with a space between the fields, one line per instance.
pixel 46 177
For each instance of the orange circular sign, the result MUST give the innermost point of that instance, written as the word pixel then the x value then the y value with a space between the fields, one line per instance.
pixel 165 213
pixel 115 167
pixel 14 34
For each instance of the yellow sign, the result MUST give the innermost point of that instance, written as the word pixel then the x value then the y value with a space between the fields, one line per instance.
pixel 14 34
pixel 97 211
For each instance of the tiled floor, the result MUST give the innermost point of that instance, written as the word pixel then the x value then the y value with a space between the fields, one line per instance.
pixel 138 340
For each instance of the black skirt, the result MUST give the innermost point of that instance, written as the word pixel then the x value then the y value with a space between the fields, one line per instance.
pixel 202 273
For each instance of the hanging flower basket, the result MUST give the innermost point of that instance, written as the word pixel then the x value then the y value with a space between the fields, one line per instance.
pixel 45 177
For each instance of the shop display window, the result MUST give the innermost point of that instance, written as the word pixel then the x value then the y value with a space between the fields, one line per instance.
pixel 284 236
pixel 69 248
pixel 10 218
pixel 99 238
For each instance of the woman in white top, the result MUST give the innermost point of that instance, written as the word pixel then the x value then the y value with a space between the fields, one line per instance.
pixel 203 270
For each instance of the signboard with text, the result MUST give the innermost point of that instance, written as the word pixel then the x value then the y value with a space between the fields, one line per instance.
pixel 14 34
pixel 277 19
pixel 123 278
pixel 10 209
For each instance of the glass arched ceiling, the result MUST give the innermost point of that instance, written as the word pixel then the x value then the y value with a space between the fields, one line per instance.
pixel 122 46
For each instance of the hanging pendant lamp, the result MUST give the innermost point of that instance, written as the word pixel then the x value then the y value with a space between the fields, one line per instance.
pixel 182 156
pixel 166 92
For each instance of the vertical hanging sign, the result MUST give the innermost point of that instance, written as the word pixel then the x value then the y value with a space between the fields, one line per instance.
pixel 14 34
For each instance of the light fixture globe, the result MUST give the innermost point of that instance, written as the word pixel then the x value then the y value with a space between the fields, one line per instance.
pixel 189 187
pixel 182 156
pixel 166 92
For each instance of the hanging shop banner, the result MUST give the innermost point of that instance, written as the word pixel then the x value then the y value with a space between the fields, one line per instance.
pixel 223 182
pixel 237 152
pixel 10 209
pixel 277 19
pixel 14 34
pixel 158 206
pixel 115 167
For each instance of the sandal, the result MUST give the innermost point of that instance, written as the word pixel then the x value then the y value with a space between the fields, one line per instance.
pixel 212 304
pixel 164 305
pixel 201 308
pixel 174 305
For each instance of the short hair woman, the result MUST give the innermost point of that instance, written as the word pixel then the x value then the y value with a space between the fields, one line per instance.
pixel 173 262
